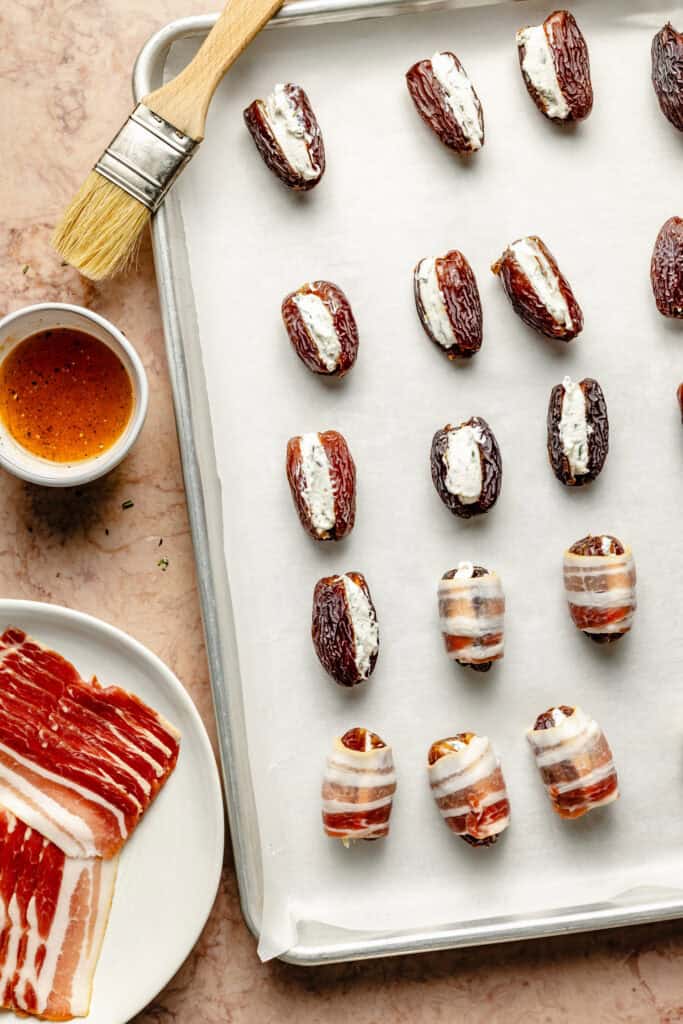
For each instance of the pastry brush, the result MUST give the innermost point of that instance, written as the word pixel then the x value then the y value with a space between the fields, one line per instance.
pixel 99 231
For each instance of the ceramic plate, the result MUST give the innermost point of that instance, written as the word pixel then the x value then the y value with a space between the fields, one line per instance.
pixel 170 868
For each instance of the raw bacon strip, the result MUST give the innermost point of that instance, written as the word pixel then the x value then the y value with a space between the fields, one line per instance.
pixel 471 612
pixel 601 592
pixel 469 788
pixel 79 763
pixel 358 787
pixel 54 911
pixel 575 761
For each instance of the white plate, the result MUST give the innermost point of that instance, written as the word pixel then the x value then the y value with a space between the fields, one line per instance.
pixel 170 868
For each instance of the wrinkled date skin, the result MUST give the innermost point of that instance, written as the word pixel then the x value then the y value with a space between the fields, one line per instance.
pixel 546 721
pixel 572 67
pixel 332 629
pixel 593 545
pixel 491 470
pixel 598 433
pixel 433 108
pixel 344 325
pixel 666 269
pixel 526 302
pixel 667 73
pixel 270 149
pixel 458 286
pixel 343 476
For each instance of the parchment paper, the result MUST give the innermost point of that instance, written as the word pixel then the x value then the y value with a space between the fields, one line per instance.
pixel 392 194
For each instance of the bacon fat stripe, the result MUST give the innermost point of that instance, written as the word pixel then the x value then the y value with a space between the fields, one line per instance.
pixel 53 914
pixel 575 762
pixel 471 613
pixel 469 790
pixel 357 792
pixel 601 591
pixel 79 763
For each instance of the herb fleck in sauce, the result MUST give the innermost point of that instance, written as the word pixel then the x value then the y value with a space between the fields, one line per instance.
pixel 65 395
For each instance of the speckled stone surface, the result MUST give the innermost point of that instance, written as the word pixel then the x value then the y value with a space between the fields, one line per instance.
pixel 64 89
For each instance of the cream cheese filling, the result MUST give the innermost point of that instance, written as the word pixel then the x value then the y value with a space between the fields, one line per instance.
pixel 573 427
pixel 463 464
pixel 365 629
pixel 460 97
pixel 534 264
pixel 433 302
pixel 289 129
pixel 539 67
pixel 318 492
pixel 320 326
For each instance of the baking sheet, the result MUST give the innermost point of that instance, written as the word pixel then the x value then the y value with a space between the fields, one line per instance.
pixel 392 194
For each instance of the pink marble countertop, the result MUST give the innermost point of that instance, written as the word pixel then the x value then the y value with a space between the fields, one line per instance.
pixel 65 70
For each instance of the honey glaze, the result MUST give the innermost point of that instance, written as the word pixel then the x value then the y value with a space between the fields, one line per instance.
pixel 65 395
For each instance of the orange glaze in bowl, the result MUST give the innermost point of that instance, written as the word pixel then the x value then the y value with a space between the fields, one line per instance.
pixel 64 395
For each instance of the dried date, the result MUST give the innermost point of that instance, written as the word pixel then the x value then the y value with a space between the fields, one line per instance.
pixel 447 102
pixel 539 293
pixel 344 628
pixel 322 478
pixel 448 303
pixel 322 328
pixel 467 468
pixel 578 431
pixel 666 269
pixel 288 137
pixel 556 68
pixel 667 73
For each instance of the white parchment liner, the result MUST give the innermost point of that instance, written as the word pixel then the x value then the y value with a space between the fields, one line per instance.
pixel 392 194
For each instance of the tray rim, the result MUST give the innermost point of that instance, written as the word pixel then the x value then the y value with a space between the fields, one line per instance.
pixel 638 906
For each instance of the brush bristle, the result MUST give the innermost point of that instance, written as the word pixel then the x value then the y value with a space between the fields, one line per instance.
pixel 100 230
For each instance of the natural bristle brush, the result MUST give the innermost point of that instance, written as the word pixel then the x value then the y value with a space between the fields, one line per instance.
pixel 99 231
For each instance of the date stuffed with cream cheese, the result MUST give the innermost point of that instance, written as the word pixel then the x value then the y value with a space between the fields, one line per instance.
pixel 539 293
pixel 344 628
pixel 288 137
pixel 600 587
pixel 471 614
pixel 555 67
pixel 447 102
pixel 322 328
pixel 467 468
pixel 448 303
pixel 574 760
pixel 578 431
pixel 469 789
pixel 322 478
pixel 666 269
pixel 358 787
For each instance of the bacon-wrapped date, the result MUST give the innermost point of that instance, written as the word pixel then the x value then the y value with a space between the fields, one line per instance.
pixel 469 788
pixel 574 759
pixel 358 787
pixel 471 612
pixel 600 582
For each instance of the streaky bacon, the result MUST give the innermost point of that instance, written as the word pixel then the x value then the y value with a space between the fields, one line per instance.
pixel 80 763
pixel 575 761
pixel 358 787
pixel 469 789
pixel 53 914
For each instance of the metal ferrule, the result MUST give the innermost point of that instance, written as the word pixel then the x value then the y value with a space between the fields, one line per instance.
pixel 146 157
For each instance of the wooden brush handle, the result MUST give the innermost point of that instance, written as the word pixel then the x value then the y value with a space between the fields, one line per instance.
pixel 184 101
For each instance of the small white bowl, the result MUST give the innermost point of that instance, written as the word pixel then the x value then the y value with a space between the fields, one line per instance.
pixel 48 316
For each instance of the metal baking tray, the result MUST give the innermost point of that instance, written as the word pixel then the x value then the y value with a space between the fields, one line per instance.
pixel 316 943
